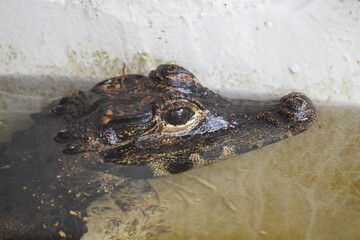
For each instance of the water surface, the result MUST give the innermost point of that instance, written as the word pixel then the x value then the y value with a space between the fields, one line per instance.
pixel 306 187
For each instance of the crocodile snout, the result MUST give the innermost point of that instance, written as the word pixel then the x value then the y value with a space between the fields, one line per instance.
pixel 299 110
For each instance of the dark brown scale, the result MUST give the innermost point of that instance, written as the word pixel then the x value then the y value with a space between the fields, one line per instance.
pixel 63 136
pixel 58 110
pixel 73 149
pixel 64 100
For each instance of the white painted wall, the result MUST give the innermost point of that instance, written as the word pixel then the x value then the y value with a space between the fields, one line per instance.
pixel 248 48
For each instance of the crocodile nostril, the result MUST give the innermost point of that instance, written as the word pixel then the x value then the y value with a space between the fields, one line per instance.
pixel 299 110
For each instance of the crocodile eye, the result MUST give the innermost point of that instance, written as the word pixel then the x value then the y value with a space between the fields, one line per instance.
pixel 179 116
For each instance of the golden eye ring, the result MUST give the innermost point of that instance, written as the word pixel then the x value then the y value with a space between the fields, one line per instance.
pixel 178 117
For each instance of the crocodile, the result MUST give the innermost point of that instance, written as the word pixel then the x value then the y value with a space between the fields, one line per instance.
pixel 125 128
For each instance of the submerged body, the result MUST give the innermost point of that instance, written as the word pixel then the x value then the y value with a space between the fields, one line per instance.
pixel 125 128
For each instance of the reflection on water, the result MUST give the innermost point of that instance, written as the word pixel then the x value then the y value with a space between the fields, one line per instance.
pixel 306 187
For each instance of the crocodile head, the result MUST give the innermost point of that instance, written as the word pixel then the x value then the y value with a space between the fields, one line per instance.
pixel 168 122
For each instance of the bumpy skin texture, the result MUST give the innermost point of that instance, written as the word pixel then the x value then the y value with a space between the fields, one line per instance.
pixel 124 128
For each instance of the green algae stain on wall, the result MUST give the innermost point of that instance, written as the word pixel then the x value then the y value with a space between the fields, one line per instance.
pixel 143 62
pixel 9 55
pixel 102 63
pixel 95 63
pixel 79 63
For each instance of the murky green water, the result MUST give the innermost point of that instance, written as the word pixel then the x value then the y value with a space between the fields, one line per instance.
pixel 306 187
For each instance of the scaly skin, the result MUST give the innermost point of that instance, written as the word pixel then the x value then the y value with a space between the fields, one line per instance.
pixel 125 128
